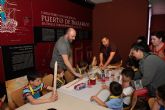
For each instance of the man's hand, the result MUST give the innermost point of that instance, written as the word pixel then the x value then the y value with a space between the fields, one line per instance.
pixel 101 64
pixel 78 75
pixel 103 67
pixel 61 74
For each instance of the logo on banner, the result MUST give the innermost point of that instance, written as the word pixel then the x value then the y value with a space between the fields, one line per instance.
pixel 53 19
pixel 7 17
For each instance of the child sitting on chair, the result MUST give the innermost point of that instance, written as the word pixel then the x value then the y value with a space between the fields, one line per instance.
pixel 127 77
pixel 115 101
pixel 33 90
pixel 159 103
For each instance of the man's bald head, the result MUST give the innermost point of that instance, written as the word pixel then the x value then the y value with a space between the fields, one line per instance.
pixel 71 34
pixel 70 30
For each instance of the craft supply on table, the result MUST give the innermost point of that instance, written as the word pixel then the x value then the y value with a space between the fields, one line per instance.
pixel 80 86
pixel 76 81
pixel 55 76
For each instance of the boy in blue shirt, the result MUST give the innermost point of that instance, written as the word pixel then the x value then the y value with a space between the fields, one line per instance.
pixel 33 90
pixel 115 101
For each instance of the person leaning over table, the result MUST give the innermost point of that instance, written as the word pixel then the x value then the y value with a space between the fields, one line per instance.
pixel 151 67
pixel 62 52
pixel 109 53
pixel 131 61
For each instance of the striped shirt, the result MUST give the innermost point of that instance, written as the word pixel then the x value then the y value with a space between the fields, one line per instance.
pixel 34 92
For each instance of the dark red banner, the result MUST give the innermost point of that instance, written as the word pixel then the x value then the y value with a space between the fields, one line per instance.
pixel 15 22
pixel 61 13
pixel 43 55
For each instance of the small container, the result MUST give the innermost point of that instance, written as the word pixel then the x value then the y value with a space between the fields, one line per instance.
pixel 103 77
pixel 80 86
pixel 89 84
pixel 107 76
pixel 112 77
pixel 98 76
pixel 92 81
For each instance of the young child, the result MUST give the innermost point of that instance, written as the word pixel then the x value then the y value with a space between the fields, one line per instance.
pixel 33 90
pixel 115 101
pixel 159 103
pixel 127 77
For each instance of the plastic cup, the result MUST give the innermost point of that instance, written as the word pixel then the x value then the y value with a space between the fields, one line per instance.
pixel 93 81
pixel 89 84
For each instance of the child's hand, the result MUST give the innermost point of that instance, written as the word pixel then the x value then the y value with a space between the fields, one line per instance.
pixel 2 101
pixel 104 86
pixel 93 98
pixel 3 98
pixel 54 96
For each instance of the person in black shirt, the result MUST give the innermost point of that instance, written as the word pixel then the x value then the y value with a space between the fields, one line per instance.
pixel 109 54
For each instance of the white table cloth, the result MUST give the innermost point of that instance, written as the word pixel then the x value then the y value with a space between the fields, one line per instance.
pixel 70 99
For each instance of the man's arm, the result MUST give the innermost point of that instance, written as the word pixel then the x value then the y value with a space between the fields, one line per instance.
pixel 68 64
pixel 111 55
pixel 71 60
pixel 101 59
pixel 149 70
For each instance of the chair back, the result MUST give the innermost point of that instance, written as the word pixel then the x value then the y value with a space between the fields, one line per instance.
pixel 48 80
pixel 17 97
pixel 69 76
pixel 137 94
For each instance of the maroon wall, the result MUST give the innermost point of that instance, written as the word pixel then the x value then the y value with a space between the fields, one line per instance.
pixel 28 15
pixel 18 12
pixel 63 7
pixel 122 20
pixel 43 54
pixel 158 23
pixel 43 51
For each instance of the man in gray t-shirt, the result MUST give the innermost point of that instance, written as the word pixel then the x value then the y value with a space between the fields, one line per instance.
pixel 151 67
pixel 62 52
